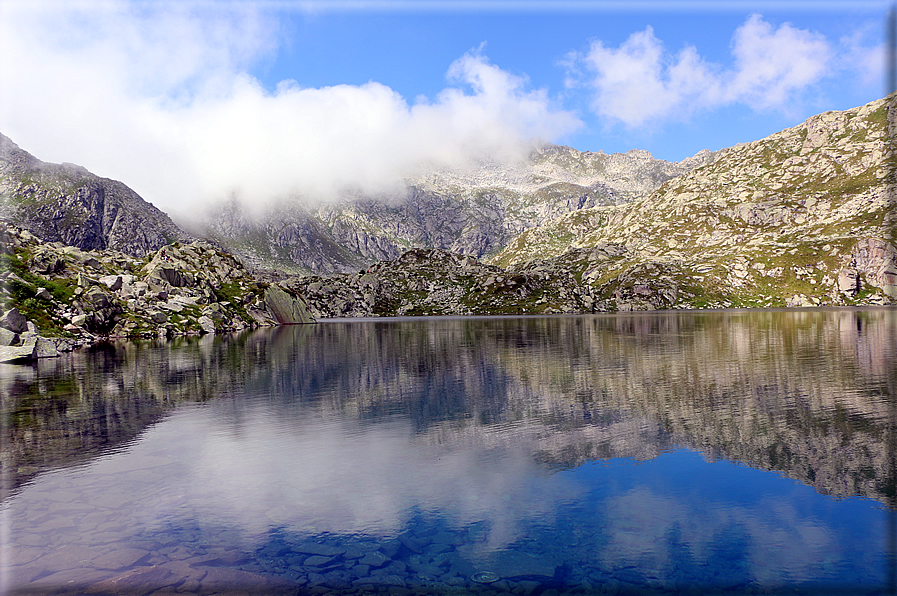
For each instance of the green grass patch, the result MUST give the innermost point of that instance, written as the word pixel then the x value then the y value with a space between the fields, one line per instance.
pixel 35 309
pixel 879 117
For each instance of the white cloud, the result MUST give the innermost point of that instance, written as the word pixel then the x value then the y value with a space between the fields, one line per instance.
pixel 159 96
pixel 317 141
pixel 640 83
pixel 637 84
pixel 772 66
pixel 864 53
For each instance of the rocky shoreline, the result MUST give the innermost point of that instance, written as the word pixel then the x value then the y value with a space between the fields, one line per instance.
pixel 60 297
pixel 603 278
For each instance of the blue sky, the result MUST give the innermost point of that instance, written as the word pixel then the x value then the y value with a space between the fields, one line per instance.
pixel 189 101
pixel 404 49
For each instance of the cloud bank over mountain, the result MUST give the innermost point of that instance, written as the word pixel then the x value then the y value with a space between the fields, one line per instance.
pixel 162 98
pixel 173 97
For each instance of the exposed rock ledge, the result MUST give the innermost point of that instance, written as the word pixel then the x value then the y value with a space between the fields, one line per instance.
pixel 56 297
pixel 608 278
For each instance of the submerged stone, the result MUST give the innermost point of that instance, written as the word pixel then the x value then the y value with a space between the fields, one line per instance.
pixel 484 577
pixel 318 561
pixel 374 559
pixel 311 548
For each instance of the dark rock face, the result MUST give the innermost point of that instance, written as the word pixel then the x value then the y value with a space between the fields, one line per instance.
pixel 66 203
pixel 437 282
pixel 288 239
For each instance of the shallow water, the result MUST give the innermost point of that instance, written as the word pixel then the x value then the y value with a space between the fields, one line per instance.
pixel 683 453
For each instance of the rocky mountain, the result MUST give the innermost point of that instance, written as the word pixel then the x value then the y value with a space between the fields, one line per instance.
pixel 473 211
pixel 59 297
pixel 66 203
pixel 804 217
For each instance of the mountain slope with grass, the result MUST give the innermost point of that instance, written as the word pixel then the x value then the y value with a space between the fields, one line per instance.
pixel 806 216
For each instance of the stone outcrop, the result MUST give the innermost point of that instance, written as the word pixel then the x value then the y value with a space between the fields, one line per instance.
pixel 66 203
pixel 602 278
pixel 284 308
pixel 61 297
pixel 876 260
pixel 434 282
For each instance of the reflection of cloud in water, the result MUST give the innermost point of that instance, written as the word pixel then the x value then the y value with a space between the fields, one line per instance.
pixel 314 475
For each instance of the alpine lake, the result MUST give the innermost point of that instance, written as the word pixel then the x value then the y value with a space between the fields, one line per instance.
pixel 678 452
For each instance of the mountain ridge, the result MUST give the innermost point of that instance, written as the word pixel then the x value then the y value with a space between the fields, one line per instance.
pixel 803 217
pixel 66 203
pixel 474 211
pixel 771 214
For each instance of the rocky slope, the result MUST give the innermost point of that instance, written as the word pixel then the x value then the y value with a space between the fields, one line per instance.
pixel 475 211
pixel 58 297
pixel 436 282
pixel 603 278
pixel 66 203
pixel 806 216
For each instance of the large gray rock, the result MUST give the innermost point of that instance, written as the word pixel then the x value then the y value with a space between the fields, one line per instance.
pixel 47 262
pixel 171 275
pixel 848 281
pixel 7 337
pixel 285 308
pixel 207 324
pixel 45 347
pixel 13 353
pixel 31 345
pixel 877 260
pixel 14 321
pixel 113 282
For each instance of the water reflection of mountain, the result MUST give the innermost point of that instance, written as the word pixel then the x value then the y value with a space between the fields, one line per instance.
pixel 802 392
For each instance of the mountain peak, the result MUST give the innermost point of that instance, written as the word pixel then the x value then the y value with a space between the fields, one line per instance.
pixel 66 203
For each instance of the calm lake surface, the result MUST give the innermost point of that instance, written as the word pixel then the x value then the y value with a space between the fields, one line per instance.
pixel 658 453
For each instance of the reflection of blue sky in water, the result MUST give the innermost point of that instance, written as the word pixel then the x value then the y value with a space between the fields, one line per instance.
pixel 761 525
pixel 314 474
